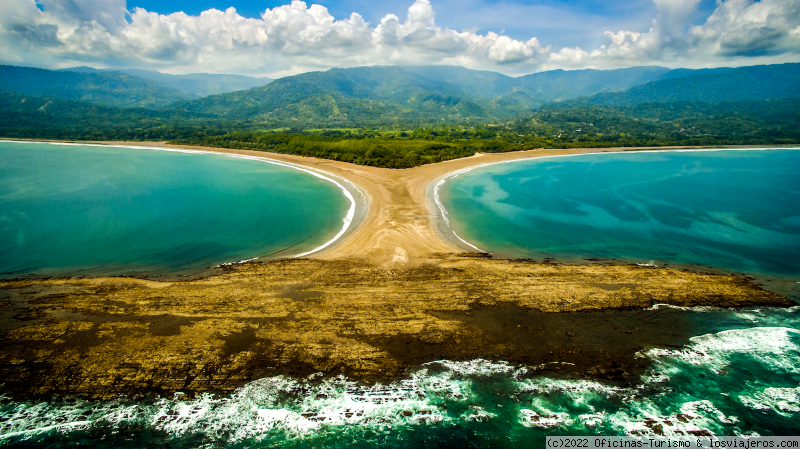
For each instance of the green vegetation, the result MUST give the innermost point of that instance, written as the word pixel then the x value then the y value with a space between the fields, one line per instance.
pixel 104 88
pixel 379 149
pixel 399 117
pixel 673 124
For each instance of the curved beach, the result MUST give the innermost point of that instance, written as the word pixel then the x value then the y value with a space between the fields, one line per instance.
pixel 387 296
pixel 402 224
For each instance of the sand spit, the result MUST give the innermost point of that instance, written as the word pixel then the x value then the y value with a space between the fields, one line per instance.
pixel 394 293
pixel 103 337
pixel 401 217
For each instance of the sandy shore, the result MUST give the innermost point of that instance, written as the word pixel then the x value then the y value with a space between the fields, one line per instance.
pixel 400 226
pixel 387 297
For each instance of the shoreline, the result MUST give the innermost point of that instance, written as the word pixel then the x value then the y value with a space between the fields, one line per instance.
pixel 359 201
pixel 442 223
pixel 105 337
pixel 383 300
pixel 401 223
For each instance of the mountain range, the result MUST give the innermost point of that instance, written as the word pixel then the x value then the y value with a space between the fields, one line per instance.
pixel 122 88
pixel 370 97
pixel 375 96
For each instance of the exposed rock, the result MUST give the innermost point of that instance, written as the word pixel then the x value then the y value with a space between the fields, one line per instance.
pixel 108 336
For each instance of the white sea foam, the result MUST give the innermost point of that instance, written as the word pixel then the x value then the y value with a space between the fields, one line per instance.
pixel 287 408
pixel 784 401
pixel 477 367
pixel 477 413
pixel 691 308
pixel 771 346
pixel 569 387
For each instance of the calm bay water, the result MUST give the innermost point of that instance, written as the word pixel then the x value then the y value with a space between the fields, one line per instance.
pixel 90 210
pixel 738 210
pixel 738 372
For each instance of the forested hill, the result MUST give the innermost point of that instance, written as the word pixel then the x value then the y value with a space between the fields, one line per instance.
pixel 105 88
pixel 370 96
pixel 410 96
pixel 364 96
pixel 195 84
pixel 766 82
pixel 405 116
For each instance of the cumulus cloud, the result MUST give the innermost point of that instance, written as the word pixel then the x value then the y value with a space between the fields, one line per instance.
pixel 299 37
pixel 737 32
pixel 286 39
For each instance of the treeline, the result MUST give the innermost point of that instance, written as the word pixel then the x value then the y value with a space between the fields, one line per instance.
pixel 758 122
pixel 377 149
pixel 687 124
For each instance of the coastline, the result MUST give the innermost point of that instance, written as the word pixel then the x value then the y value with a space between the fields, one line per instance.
pixel 387 297
pixel 442 223
pixel 357 212
pixel 105 337
pixel 401 223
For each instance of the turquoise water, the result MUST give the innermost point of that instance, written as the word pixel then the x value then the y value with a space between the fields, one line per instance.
pixel 736 372
pixel 92 210
pixel 739 376
pixel 738 210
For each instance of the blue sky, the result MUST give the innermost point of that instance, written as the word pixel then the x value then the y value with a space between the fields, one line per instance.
pixel 277 38
pixel 557 22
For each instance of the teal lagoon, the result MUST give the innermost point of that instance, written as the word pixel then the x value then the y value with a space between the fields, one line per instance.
pixel 734 209
pixel 718 371
pixel 99 210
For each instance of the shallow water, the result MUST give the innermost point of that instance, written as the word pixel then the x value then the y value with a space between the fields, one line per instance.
pixel 94 210
pixel 738 210
pixel 741 377
pixel 720 371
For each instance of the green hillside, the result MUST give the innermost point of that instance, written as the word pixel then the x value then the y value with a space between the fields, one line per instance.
pixel 557 85
pixel 715 85
pixel 196 85
pixel 38 117
pixel 366 96
pixel 400 117
pixel 200 84
pixel 105 88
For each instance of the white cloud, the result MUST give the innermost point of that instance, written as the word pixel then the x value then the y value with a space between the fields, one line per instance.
pixel 287 39
pixel 737 32
pixel 297 37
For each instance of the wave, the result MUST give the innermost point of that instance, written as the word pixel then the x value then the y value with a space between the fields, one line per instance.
pixel 454 394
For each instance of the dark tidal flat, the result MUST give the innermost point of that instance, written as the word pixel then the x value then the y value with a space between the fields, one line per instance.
pixel 456 350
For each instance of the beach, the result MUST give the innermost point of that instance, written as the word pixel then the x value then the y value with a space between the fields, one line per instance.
pixel 401 224
pixel 393 293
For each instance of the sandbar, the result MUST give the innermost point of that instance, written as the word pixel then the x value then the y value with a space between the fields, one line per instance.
pixel 392 294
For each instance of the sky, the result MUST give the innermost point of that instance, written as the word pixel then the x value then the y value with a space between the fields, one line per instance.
pixel 280 38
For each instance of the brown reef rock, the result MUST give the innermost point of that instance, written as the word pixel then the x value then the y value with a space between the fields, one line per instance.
pixel 103 337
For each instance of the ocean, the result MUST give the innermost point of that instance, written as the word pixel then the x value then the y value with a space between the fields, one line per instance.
pixel 68 210
pixel 735 209
pixel 723 372
pixel 739 376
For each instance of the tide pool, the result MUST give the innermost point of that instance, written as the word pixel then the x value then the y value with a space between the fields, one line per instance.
pixel 96 210
pixel 737 210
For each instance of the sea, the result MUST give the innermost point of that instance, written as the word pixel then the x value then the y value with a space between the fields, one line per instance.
pixel 78 210
pixel 736 372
